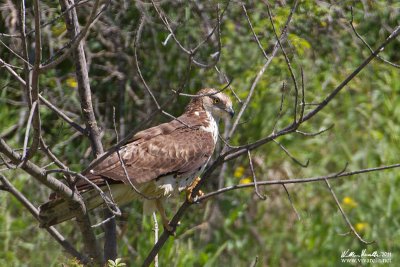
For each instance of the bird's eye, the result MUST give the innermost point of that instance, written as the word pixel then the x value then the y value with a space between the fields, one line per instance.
pixel 216 100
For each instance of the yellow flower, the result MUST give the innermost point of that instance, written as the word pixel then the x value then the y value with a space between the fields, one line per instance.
pixel 246 180
pixel 361 227
pixel 239 172
pixel 71 82
pixel 349 203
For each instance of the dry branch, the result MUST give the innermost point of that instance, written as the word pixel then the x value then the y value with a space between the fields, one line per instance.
pixel 7 186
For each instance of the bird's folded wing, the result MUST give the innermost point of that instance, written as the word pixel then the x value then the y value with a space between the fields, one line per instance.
pixel 179 151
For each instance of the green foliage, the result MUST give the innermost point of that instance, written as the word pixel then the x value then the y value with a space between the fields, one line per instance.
pixel 116 263
pixel 235 228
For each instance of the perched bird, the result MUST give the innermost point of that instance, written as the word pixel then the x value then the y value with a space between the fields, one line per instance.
pixel 158 162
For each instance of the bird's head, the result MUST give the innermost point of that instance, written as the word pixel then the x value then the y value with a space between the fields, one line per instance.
pixel 216 103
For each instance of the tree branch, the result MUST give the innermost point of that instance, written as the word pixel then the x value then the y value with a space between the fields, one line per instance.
pixel 296 180
pixel 51 230
pixel 72 24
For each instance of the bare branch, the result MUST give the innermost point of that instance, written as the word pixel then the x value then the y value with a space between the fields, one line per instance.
pixel 72 24
pixel 138 35
pixel 74 199
pixel 278 117
pixel 63 116
pixel 75 40
pixel 367 45
pixel 254 33
pixel 261 72
pixel 234 153
pixel 228 81
pixel 83 78
pixel 52 230
pixel 105 221
pixel 297 180
pixel 202 95
pixel 291 202
pixel 34 89
pixel 329 98
pixel 304 165
pixel 345 216
pixel 316 133
pixel 28 127
pixel 192 52
pixel 262 197
pixel 295 122
pixel 40 174
pixel 15 54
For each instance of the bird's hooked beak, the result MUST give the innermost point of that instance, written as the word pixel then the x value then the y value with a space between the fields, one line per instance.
pixel 231 112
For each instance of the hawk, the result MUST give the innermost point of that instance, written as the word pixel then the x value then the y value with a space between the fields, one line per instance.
pixel 156 163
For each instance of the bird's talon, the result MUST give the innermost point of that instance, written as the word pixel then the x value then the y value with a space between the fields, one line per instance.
pixel 193 199
pixel 189 191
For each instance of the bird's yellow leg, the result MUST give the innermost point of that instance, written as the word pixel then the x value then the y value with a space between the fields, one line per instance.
pixel 164 218
pixel 189 197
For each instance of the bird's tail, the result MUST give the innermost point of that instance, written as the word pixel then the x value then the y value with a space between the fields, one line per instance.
pixel 58 210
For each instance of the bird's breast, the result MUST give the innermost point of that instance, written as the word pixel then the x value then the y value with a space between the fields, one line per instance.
pixel 212 127
pixel 171 185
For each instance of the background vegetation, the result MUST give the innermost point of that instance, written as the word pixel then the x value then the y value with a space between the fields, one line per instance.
pixel 235 228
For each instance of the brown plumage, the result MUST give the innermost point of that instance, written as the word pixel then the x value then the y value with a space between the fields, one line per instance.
pixel 160 161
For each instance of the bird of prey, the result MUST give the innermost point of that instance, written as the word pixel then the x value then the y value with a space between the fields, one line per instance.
pixel 156 163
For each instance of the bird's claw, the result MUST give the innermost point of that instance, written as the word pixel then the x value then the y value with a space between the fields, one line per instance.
pixel 192 199
pixel 189 191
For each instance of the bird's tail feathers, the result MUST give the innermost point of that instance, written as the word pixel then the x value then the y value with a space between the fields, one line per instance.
pixel 57 211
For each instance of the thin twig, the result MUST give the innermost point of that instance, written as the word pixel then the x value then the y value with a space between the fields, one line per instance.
pixel 47 103
pixel 316 133
pixel 367 45
pixel 76 40
pixel 202 95
pixel 228 81
pixel 128 178
pixel 254 263
pixel 108 219
pixel 192 52
pixel 289 65
pixel 262 197
pixel 261 72
pixel 304 165
pixel 33 91
pixel 296 180
pixel 63 116
pixel 15 54
pixel 345 216
pixel 28 127
pixel 254 33
pixel 291 202
pixel 278 117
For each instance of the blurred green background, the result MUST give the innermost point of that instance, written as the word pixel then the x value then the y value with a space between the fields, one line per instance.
pixel 235 228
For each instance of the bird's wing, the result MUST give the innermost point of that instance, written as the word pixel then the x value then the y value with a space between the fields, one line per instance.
pixel 170 148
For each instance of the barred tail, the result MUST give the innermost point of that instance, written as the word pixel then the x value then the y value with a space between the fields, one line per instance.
pixel 57 211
